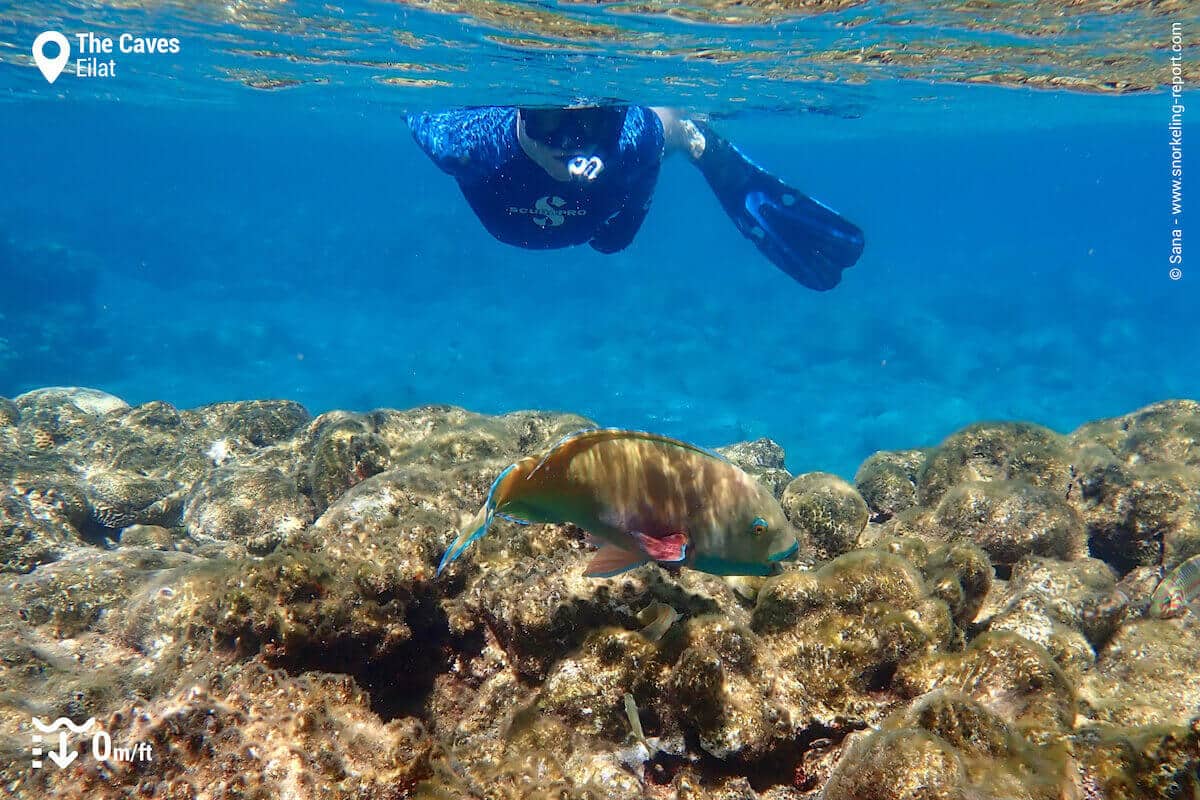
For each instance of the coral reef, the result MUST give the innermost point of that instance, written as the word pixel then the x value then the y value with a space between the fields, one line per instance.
pixel 887 482
pixel 258 507
pixel 828 510
pixel 252 593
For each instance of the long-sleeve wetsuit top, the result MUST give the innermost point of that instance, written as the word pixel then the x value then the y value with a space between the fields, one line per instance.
pixel 520 203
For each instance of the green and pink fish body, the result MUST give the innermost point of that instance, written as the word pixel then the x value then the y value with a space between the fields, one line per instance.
pixel 1178 591
pixel 643 497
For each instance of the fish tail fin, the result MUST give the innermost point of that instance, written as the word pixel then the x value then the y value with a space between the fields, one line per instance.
pixel 500 492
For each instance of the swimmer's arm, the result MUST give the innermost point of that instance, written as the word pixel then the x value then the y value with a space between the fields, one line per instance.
pixel 619 230
pixel 642 160
pixel 465 142
pixel 679 133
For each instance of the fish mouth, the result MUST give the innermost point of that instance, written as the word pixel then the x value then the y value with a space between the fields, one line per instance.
pixel 782 554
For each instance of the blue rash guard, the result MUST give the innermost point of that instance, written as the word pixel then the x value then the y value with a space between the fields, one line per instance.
pixel 519 203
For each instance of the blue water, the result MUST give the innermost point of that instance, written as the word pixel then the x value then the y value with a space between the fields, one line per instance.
pixel 283 246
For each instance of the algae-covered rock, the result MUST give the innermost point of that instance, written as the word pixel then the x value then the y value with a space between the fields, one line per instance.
pixel 327 658
pixel 887 481
pixel 997 451
pixel 1139 485
pixel 904 764
pixel 119 499
pixel 762 458
pixel 828 510
pixel 251 732
pixel 260 423
pixel 586 689
pixel 345 451
pixel 947 744
pixel 258 508
pixel 1146 675
pixel 1139 514
pixel 1010 520
pixel 1069 608
pixel 1012 677
pixel 959 574
pixel 1153 763
pixel 720 686
pixel 9 413
pixel 74 595
pixel 1165 432
pixel 154 537
pixel 39 523
pixel 818 655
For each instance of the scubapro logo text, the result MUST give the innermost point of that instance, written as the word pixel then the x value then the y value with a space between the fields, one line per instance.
pixel 548 211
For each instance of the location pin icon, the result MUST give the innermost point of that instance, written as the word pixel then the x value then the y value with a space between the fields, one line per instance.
pixel 51 67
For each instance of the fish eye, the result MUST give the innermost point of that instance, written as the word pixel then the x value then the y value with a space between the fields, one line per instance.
pixel 759 526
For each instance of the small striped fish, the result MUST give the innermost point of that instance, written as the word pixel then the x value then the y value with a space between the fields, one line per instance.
pixel 1177 591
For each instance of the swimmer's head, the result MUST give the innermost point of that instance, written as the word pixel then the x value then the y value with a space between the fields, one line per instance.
pixel 578 138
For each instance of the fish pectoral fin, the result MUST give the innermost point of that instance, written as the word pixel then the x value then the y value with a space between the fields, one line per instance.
pixel 613 560
pixel 671 549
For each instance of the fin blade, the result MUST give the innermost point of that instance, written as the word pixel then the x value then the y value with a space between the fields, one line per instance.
pixel 806 239
pixel 612 560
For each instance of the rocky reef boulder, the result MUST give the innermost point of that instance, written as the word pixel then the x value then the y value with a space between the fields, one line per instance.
pixel 1139 485
pixel 828 511
pixel 253 593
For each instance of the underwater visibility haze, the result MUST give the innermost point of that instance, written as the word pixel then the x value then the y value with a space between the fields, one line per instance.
pixel 261 363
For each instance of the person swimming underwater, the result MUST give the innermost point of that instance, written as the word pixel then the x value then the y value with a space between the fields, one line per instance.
pixel 554 177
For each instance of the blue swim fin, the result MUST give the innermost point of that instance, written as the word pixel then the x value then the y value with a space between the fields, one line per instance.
pixel 804 238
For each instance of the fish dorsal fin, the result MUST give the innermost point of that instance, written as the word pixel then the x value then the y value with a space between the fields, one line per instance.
pixel 594 435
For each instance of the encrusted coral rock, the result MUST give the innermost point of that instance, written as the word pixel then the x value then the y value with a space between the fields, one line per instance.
pixel 949 745
pixel 997 451
pixel 39 523
pixel 828 510
pixel 1010 520
pixel 1146 675
pixel 1152 763
pixel 586 689
pixel 119 499
pixel 254 733
pixel 1069 608
pixel 345 451
pixel 259 508
pixel 762 458
pixel 259 650
pixel 9 413
pixel 1014 678
pixel 887 481
pixel 67 404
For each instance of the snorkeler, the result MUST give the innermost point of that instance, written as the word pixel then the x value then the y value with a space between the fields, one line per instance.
pixel 554 177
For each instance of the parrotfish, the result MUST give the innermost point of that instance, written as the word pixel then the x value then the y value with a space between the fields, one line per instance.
pixel 1178 591
pixel 642 498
